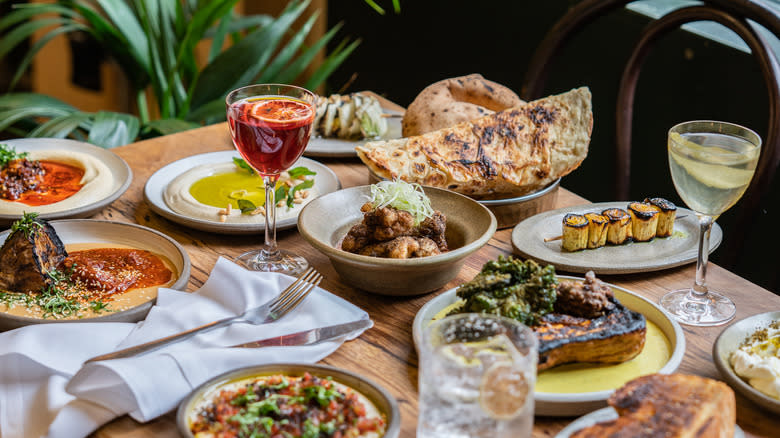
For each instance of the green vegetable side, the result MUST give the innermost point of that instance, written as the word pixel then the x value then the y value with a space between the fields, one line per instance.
pixel 510 287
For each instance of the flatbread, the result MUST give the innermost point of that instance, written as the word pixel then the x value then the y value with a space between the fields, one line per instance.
pixel 510 152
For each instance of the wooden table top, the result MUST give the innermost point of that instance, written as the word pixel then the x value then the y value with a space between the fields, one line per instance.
pixel 386 352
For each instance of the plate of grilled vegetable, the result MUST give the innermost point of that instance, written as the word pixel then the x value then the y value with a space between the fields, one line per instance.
pixel 343 121
pixel 613 237
pixel 593 336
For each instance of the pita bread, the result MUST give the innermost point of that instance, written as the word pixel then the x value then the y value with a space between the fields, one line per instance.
pixel 511 152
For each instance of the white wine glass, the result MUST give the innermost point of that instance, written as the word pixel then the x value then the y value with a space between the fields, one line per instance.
pixel 712 164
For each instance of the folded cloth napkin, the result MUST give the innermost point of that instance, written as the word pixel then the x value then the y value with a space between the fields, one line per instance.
pixel 45 390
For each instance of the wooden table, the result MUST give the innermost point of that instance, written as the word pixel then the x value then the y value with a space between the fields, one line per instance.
pixel 386 353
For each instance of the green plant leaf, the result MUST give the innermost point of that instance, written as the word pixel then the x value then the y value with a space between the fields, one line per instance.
pixel 62 126
pixel 11 116
pixel 28 58
pixel 126 23
pixel 242 62
pixel 166 126
pixel 211 112
pixel 24 31
pixel 295 68
pixel 24 12
pixel 331 63
pixel 111 129
pixel 31 100
pixel 287 52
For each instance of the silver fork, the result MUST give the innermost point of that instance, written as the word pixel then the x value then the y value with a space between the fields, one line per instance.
pixel 272 310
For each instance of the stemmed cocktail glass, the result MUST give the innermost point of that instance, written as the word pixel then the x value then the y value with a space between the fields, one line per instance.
pixel 270 125
pixel 712 164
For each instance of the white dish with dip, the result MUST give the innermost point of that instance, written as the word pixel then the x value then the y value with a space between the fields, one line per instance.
pixel 102 233
pixel 578 403
pixel 114 173
pixel 325 181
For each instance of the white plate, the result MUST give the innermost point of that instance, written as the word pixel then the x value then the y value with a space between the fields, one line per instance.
pixel 334 147
pixel 571 404
pixel 122 175
pixel 660 253
pixel 324 182
pixel 608 414
pixel 728 341
pixel 99 231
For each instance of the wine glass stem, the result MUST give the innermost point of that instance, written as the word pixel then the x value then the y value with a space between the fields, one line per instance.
pixel 699 290
pixel 270 249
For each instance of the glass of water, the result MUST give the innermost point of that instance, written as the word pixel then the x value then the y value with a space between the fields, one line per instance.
pixel 477 377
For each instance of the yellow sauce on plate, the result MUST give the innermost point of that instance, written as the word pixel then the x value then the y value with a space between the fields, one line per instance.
pixel 227 188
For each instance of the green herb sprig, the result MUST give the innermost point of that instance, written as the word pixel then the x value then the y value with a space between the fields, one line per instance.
pixel 27 225
pixel 8 154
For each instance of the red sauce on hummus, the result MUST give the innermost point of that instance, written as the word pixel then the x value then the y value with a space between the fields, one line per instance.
pixel 39 182
pixel 107 271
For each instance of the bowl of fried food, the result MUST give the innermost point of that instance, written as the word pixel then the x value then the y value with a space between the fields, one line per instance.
pixel 396 238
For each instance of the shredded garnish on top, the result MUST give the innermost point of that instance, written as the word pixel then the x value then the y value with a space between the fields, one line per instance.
pixel 404 196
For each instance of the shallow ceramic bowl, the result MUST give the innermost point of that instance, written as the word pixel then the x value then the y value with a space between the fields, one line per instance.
pixel 510 211
pixel 728 341
pixel 73 231
pixel 384 402
pixel 326 220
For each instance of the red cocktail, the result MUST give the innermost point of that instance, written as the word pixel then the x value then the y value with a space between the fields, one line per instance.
pixel 270 125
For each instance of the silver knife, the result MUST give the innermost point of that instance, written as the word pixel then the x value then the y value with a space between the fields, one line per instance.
pixel 310 337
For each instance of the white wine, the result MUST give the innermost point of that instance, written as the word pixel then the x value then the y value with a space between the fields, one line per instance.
pixel 711 171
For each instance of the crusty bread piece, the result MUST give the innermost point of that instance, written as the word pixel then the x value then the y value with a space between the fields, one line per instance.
pixel 511 152
pixel 450 101
pixel 670 406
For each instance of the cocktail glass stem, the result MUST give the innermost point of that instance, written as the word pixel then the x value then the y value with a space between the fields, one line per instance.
pixel 270 252
pixel 698 295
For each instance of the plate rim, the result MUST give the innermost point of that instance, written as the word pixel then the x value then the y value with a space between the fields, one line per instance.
pixel 393 425
pixel 152 191
pixel 575 426
pixel 180 284
pixel 87 209
pixel 716 238
pixel 584 398
pixel 727 372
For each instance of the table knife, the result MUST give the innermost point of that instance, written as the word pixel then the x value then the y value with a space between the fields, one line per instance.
pixel 310 337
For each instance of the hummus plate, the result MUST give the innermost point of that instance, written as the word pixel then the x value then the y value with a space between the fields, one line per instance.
pixel 108 176
pixel 577 403
pixel 113 234
pixel 180 175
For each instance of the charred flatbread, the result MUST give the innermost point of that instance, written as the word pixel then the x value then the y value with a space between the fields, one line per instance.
pixel 510 152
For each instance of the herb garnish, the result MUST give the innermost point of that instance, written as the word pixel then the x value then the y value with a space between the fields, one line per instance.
pixel 27 224
pixel 8 154
pixel 283 192
pixel 242 164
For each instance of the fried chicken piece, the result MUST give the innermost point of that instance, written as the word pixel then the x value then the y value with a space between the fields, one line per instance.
pixel 403 247
pixel 433 228
pixel 589 299
pixel 357 237
pixel 387 223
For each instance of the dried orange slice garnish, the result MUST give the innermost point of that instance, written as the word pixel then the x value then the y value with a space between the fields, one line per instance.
pixel 279 109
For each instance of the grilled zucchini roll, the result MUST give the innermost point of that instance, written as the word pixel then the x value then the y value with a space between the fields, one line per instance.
pixel 618 225
pixel 644 221
pixel 666 216
pixel 597 230
pixel 350 116
pixel 575 232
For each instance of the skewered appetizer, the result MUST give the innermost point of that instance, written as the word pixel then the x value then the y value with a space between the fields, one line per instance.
pixel 350 116
pixel 640 222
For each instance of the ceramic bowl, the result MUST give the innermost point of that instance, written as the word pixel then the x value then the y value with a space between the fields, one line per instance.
pixel 384 402
pixel 728 341
pixel 510 211
pixel 326 220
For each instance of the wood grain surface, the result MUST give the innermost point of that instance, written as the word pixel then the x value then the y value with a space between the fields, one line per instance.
pixel 386 352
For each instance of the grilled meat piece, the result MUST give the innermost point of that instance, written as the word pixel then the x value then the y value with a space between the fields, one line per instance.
pixel 617 336
pixel 669 405
pixel 387 223
pixel 434 228
pixel 587 299
pixel 27 255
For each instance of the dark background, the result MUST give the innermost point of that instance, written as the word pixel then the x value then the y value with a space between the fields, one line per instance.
pixel 686 77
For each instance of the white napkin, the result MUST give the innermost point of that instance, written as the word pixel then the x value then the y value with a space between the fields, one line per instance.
pixel 45 391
